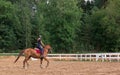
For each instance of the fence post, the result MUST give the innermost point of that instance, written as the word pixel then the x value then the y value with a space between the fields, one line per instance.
pixel 96 57
pixel 81 57
pixel 110 58
pixel 60 56
pixel 76 56
pixel 90 57
pixel 102 58
pixel 118 57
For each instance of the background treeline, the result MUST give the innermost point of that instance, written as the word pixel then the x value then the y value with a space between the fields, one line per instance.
pixel 69 26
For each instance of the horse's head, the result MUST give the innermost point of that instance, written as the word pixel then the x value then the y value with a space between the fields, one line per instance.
pixel 48 47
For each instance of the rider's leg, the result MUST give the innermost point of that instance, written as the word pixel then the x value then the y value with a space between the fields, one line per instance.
pixel 42 51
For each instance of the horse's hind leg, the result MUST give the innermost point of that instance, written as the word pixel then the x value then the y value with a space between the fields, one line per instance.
pixel 25 62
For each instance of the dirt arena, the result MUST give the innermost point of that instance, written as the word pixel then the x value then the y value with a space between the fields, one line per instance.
pixel 58 67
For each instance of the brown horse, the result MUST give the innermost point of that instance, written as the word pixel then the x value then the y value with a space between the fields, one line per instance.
pixel 29 52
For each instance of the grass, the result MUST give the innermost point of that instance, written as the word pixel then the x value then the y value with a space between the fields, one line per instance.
pixel 8 54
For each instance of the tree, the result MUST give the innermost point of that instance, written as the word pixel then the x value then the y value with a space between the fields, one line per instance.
pixel 99 31
pixel 103 32
pixel 7 22
pixel 113 11
pixel 24 15
pixel 60 18
pixel 101 3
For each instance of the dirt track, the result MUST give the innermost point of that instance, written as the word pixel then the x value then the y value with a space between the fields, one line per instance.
pixel 58 68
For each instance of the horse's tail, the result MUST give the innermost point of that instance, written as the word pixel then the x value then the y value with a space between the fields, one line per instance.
pixel 19 56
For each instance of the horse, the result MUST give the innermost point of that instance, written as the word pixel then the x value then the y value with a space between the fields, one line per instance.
pixel 30 52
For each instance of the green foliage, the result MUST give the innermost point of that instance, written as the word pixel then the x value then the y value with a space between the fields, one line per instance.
pixel 67 25
pixel 60 18
pixel 104 32
pixel 101 3
pixel 99 30
pixel 7 36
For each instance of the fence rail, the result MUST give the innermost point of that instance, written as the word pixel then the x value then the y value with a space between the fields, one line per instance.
pixel 82 57
pixel 87 57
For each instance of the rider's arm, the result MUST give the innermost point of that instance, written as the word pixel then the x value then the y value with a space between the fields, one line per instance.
pixel 42 43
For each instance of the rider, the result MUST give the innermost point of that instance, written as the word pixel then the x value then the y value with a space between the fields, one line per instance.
pixel 40 46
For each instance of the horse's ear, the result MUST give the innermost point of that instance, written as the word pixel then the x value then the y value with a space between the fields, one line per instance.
pixel 50 47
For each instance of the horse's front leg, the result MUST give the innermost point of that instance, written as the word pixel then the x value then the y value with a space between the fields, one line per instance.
pixel 41 60
pixel 47 62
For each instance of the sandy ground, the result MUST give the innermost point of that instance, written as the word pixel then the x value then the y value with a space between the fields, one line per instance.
pixel 58 67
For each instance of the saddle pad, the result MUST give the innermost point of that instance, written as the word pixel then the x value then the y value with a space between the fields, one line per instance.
pixel 37 50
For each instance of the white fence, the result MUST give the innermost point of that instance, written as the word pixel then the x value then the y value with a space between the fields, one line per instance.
pixel 87 57
pixel 82 57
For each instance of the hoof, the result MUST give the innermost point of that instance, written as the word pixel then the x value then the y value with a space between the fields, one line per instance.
pixel 41 66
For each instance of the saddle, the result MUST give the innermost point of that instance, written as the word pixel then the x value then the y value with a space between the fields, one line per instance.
pixel 37 50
